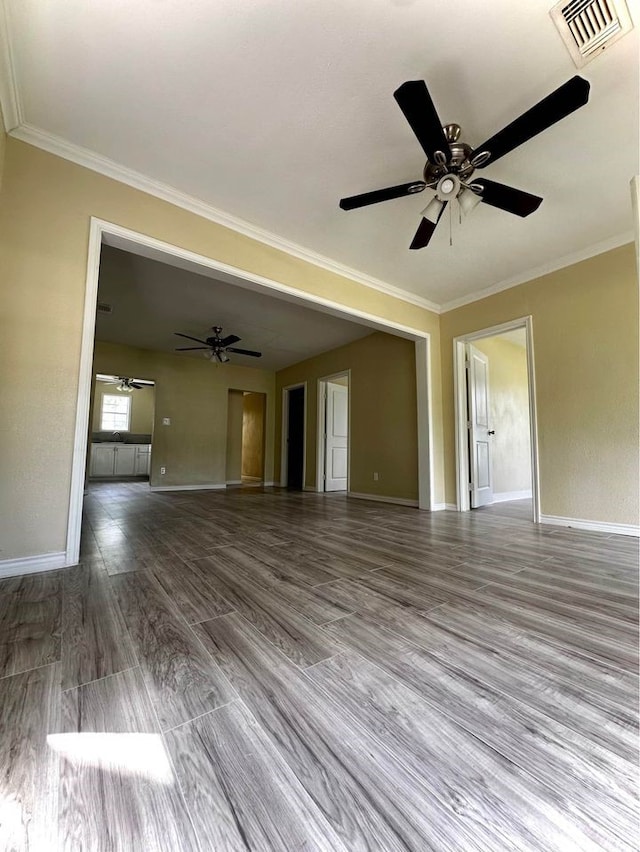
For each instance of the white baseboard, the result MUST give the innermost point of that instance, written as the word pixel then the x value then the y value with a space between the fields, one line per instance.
pixel 211 486
pixel 270 484
pixel 380 498
pixel 234 482
pixel 506 496
pixel 594 526
pixel 32 564
pixel 441 507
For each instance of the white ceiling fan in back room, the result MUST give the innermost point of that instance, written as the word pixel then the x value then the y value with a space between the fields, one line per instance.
pixel 451 163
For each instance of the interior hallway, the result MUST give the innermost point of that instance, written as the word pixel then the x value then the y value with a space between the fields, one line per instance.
pixel 264 670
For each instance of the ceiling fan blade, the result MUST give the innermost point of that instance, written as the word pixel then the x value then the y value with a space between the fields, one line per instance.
pixel 190 348
pixel 507 198
pixel 382 195
pixel 415 102
pixel 188 336
pixel 244 352
pixel 556 106
pixel 227 341
pixel 425 231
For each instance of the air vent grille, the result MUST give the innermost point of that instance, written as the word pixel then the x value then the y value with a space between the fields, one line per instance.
pixel 104 308
pixel 589 26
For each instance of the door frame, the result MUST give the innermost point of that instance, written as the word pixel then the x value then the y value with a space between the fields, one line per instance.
pixel 102 231
pixel 284 455
pixel 463 503
pixel 321 439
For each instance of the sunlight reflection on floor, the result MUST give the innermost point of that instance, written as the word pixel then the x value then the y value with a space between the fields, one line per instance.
pixel 141 755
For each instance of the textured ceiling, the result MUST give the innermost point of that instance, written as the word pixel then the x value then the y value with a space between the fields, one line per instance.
pixel 271 111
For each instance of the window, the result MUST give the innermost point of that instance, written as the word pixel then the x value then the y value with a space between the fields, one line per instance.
pixel 116 413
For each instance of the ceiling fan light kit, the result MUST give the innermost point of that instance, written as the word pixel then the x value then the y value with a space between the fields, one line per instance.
pixel 215 348
pixel 451 162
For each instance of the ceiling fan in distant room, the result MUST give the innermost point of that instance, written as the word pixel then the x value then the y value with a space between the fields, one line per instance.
pixel 125 384
pixel 217 346
pixel 451 163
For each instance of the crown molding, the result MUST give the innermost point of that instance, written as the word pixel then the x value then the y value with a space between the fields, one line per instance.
pixel 539 271
pixel 9 99
pixel 94 162
pixel 89 160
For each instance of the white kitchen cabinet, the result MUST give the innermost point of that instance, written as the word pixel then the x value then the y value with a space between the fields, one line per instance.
pixel 118 459
pixel 142 465
pixel 102 460
pixel 125 460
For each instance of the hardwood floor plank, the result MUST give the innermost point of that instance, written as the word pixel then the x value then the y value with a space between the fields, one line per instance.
pixel 183 681
pixel 30 622
pixel 387 679
pixel 96 640
pixel 29 711
pixel 301 641
pixel 601 787
pixel 619 629
pixel 615 691
pixel 493 799
pixel 365 792
pixel 241 793
pixel 195 598
pixel 528 685
pixel 117 788
pixel 260 571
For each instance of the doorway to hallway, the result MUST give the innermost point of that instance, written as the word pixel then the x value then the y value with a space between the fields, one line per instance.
pixel 333 433
pixel 496 436
pixel 293 435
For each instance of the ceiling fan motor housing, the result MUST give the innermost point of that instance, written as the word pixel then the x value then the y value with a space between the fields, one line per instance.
pixel 459 158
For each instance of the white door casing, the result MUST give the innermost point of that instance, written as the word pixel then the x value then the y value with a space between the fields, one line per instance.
pixel 479 428
pixel 336 437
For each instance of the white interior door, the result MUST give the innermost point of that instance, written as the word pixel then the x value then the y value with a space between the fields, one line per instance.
pixel 479 429
pixel 337 437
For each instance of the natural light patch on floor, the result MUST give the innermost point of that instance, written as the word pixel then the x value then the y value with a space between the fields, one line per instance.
pixel 141 755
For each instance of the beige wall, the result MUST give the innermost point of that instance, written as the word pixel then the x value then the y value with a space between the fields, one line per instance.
pixel 3 145
pixel 508 414
pixel 45 209
pixel 585 331
pixel 383 425
pixel 234 437
pixel 194 394
pixel 253 435
pixel 141 407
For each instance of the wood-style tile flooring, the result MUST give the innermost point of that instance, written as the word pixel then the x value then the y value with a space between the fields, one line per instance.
pixel 265 670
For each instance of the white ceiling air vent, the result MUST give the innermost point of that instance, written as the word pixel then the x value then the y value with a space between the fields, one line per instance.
pixel 104 308
pixel 587 27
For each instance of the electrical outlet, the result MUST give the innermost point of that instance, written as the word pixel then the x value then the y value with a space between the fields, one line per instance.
pixel 166 421
pixel 163 470
pixel 375 477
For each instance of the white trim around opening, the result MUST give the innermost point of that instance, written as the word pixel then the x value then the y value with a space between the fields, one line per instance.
pixel 115 235
pixel 321 436
pixel 460 392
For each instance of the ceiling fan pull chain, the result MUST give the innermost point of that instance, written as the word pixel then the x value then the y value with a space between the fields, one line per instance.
pixel 450 226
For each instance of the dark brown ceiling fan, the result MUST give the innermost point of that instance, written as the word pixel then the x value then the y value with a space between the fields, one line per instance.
pixel 217 346
pixel 451 163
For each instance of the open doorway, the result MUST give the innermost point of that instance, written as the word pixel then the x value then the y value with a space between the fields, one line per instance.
pixel 496 438
pixel 294 419
pixel 333 433
pixel 121 326
pixel 121 417
pixel 245 438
